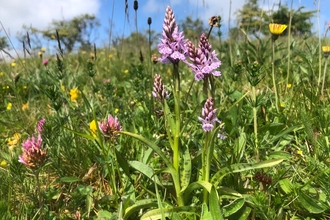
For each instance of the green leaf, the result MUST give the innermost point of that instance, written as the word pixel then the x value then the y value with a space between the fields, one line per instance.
pixel 145 169
pixel 185 169
pixel 70 179
pixel 214 205
pixel 279 155
pixel 196 185
pixel 156 214
pixel 89 199
pixel 87 136
pixel 141 204
pixel 311 204
pixel 103 214
pixel 230 192
pixel 169 123
pixel 151 145
pixel 236 168
pixel 123 163
pixel 206 215
pixel 233 207
pixel 286 186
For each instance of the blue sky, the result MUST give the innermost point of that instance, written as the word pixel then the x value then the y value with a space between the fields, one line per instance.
pixel 194 8
pixel 39 13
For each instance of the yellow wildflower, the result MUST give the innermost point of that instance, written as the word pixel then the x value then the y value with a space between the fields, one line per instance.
pixel 14 140
pixel 110 55
pixel 116 110
pixel 3 163
pixel 277 28
pixel 169 71
pixel 39 53
pixel 125 71
pixel 43 49
pixel 63 88
pixel 25 106
pixel 13 64
pixel 74 94
pixel 288 86
pixel 23 61
pixel 326 49
pixel 299 152
pixel 53 36
pixel 282 105
pixel 2 73
pixel 9 105
pixel 24 87
pixel 93 127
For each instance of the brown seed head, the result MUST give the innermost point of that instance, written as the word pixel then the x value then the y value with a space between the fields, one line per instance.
pixel 214 21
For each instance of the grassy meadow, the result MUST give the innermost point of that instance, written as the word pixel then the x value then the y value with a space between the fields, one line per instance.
pixel 97 134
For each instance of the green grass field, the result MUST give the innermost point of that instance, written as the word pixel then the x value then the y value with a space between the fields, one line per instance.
pixel 267 157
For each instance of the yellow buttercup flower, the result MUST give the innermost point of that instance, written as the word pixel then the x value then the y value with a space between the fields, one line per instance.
pixel 39 53
pixel 116 110
pixel 289 86
pixel 74 94
pixel 299 152
pixel 13 64
pixel 110 55
pixel 9 106
pixel 3 163
pixel 2 73
pixel 326 49
pixel 25 106
pixel 277 28
pixel 125 71
pixel 43 49
pixel 282 105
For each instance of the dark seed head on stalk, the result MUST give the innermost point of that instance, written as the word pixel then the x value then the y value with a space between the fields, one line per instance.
pixel 136 5
pixel 214 21
pixel 149 21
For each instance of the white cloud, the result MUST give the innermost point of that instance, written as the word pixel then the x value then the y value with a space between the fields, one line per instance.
pixel 40 13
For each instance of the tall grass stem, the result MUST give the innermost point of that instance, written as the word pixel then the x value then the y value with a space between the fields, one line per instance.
pixel 273 76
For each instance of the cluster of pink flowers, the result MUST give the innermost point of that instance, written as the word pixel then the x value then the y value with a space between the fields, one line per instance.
pixel 203 61
pixel 33 156
pixel 110 126
pixel 209 117
pixel 173 45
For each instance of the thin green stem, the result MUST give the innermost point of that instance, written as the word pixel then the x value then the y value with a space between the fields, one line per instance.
pixel 176 144
pixel 273 76
pixel 206 163
pixel 320 50
pixel 289 49
pixel 36 173
pixel 255 122
pixel 324 73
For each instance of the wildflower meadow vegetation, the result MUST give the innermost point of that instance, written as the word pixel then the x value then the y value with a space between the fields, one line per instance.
pixel 205 128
